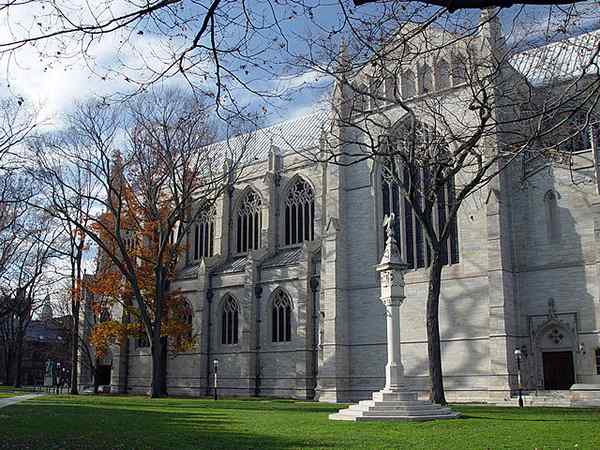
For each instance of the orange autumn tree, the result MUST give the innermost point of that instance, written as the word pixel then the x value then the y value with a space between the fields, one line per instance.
pixel 110 288
pixel 144 200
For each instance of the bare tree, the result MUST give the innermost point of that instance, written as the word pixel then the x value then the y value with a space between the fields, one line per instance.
pixel 241 54
pixel 29 277
pixel 440 112
pixel 139 202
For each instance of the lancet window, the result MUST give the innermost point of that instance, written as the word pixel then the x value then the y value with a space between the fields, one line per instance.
pixel 249 223
pixel 204 234
pixel 229 321
pixel 281 317
pixel 299 213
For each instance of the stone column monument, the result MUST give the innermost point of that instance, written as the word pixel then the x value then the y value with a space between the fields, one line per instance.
pixel 396 401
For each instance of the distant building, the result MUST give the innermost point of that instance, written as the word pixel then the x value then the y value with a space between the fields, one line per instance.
pixel 45 338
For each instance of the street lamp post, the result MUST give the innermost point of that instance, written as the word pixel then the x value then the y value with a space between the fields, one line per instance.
pixel 518 358
pixel 215 370
pixel 56 382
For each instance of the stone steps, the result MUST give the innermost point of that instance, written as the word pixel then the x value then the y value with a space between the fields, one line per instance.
pixel 394 407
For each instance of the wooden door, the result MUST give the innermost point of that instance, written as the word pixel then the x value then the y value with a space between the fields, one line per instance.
pixel 559 373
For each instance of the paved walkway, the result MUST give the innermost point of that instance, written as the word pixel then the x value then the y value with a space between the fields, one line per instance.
pixel 19 398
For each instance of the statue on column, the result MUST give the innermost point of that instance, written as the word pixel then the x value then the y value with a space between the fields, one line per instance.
pixel 398 400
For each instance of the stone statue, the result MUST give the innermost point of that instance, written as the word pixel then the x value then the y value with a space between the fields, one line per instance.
pixel 388 224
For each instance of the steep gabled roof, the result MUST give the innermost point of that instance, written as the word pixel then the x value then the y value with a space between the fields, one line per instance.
pixel 291 136
pixel 561 60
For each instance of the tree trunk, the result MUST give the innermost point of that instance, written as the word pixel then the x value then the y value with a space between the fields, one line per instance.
pixel 155 348
pixel 8 362
pixel 163 366
pixel 19 361
pixel 433 331
pixel 75 349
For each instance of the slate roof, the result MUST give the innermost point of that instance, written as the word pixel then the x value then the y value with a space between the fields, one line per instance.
pixel 291 136
pixel 284 258
pixel 233 265
pixel 189 271
pixel 43 331
pixel 561 60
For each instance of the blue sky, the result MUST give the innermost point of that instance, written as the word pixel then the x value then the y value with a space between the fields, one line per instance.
pixel 53 83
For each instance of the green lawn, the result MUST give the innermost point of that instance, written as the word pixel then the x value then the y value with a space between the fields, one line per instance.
pixel 88 422
pixel 9 391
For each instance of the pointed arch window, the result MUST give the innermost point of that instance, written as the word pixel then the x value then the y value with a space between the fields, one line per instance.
pixel 281 317
pixel 187 317
pixel 425 79
pixel 229 321
pixel 412 241
pixel 361 98
pixel 442 74
pixel 249 223
pixel 390 88
pixel 204 234
pixel 407 84
pixel 376 92
pixel 552 216
pixel 299 213
pixel 459 73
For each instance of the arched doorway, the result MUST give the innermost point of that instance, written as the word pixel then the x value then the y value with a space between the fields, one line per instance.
pixel 555 350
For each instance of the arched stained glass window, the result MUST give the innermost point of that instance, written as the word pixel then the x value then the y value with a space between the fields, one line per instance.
pixel 229 321
pixel 411 238
pixel 425 79
pixel 204 234
pixel 281 317
pixel 390 88
pixel 299 213
pixel 249 223
pixel 459 73
pixel 187 317
pixel 407 84
pixel 442 74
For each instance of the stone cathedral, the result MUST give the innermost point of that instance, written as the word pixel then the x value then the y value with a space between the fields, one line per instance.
pixel 280 274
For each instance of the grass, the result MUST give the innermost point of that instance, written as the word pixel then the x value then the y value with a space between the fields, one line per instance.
pixel 9 391
pixel 119 422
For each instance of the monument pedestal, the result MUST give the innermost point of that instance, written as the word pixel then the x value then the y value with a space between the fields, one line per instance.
pixel 394 406
pixel 396 401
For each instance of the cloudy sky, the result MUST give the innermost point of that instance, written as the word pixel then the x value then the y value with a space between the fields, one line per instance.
pixel 53 74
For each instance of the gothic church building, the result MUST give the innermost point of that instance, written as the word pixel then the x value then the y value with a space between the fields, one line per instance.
pixel 281 278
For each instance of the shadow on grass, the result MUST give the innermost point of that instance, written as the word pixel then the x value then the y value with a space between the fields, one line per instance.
pixel 76 424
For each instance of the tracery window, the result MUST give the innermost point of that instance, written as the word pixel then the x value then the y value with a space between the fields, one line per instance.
pixel 299 213
pixel 229 321
pixel 459 73
pixel 407 84
pixel 425 79
pixel 409 231
pixel 281 317
pixel 442 75
pixel 204 234
pixel 376 94
pixel 578 133
pixel 361 99
pixel 390 88
pixel 186 316
pixel 249 223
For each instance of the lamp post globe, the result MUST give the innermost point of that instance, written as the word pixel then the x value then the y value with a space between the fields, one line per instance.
pixel 215 370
